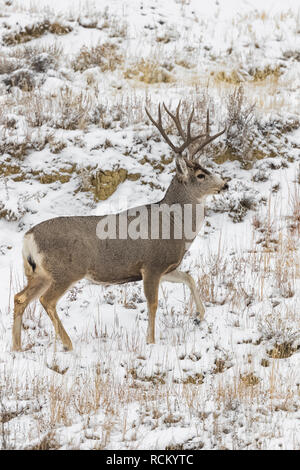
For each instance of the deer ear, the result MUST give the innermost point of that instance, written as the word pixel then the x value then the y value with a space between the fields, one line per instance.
pixel 181 169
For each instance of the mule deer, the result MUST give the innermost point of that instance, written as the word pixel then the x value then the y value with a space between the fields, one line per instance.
pixel 59 252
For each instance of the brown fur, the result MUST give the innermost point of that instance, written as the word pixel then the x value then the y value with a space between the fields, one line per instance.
pixel 66 249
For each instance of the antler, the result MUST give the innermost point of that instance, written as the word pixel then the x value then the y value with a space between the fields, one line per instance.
pixel 186 136
pixel 209 138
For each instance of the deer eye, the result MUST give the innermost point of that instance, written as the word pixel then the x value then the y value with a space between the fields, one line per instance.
pixel 200 176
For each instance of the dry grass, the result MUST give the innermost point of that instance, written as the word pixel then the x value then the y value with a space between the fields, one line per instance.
pixel 29 52
pixel 34 31
pixel 118 28
pixel 250 380
pixel 105 56
pixel 66 110
pixel 247 138
pixel 24 66
pixel 241 278
pixel 47 442
pixel 104 183
pixel 282 351
pixel 239 76
pixel 96 399
pixel 7 65
pixel 70 109
pixel 294 219
pixel 148 71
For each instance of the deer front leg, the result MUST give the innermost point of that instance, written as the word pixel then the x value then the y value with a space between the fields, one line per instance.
pixel 151 286
pixel 185 278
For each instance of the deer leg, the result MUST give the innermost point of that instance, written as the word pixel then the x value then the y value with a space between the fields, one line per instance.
pixel 36 285
pixel 151 285
pixel 185 278
pixel 49 300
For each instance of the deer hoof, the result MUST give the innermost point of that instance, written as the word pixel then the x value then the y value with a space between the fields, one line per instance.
pixel 200 322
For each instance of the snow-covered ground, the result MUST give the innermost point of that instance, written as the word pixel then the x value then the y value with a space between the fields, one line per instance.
pixel 67 116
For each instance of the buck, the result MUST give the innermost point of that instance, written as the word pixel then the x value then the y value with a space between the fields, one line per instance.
pixel 59 252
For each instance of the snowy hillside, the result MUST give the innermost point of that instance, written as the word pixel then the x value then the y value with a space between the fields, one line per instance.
pixel 75 78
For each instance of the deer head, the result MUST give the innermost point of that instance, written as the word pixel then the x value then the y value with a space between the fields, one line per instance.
pixel 198 181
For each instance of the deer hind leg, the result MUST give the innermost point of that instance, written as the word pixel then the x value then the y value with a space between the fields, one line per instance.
pixel 49 300
pixel 151 286
pixel 36 285
pixel 185 278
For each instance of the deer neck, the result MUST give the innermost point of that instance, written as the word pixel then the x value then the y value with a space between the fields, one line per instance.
pixel 192 208
pixel 178 193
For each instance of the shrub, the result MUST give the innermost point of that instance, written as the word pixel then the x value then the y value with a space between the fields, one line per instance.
pixel 105 56
pixel 7 65
pixel 241 131
pixel 23 79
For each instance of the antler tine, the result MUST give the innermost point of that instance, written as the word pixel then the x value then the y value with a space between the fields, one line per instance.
pixel 188 139
pixel 207 141
pixel 207 122
pixel 176 119
pixel 188 128
pixel 208 137
pixel 177 109
pixel 159 126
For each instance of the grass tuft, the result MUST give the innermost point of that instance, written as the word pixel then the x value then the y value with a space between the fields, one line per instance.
pixel 105 56
pixel 35 31
pixel 148 71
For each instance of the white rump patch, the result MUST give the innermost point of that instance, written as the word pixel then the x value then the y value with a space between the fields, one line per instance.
pixel 30 249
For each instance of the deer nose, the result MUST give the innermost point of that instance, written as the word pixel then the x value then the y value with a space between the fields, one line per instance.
pixel 225 187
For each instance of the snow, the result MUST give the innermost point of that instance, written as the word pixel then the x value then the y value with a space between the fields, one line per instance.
pixel 219 385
